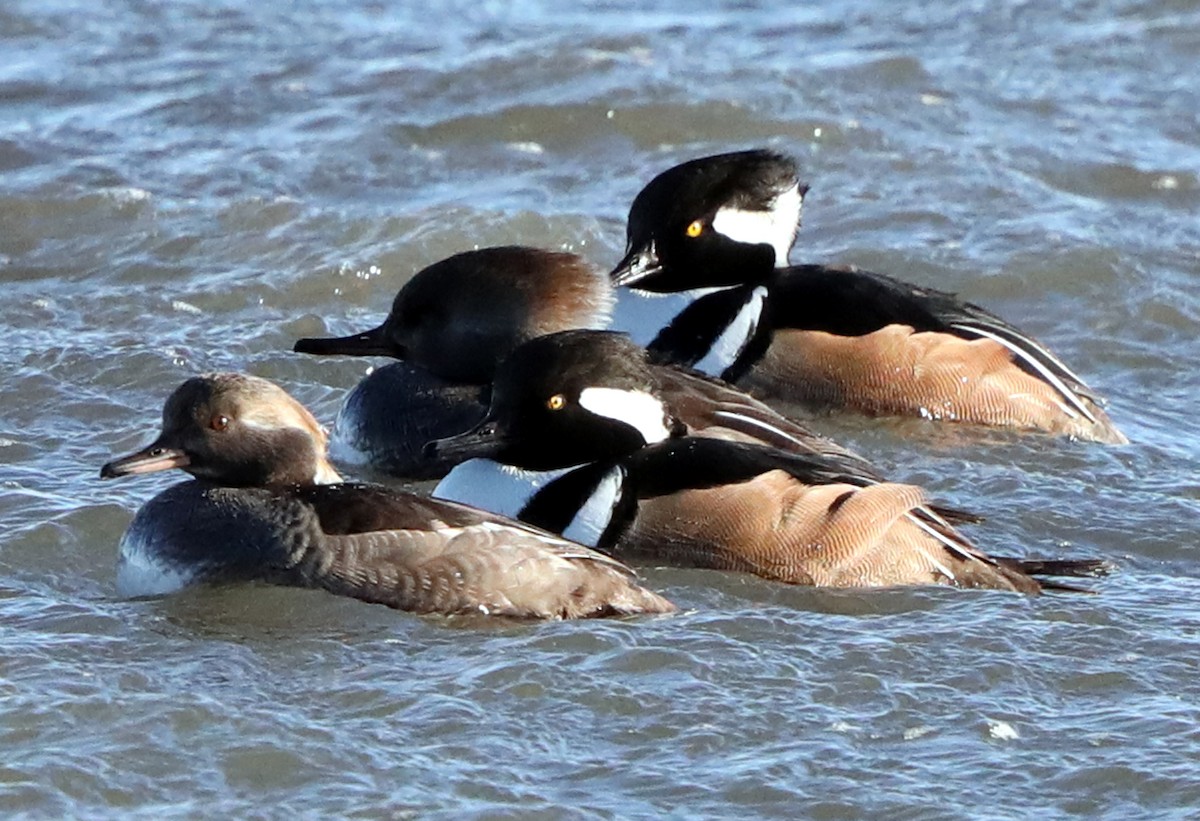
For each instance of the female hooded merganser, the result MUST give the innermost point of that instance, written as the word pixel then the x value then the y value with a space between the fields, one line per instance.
pixel 721 227
pixel 451 323
pixel 267 506
pixel 646 488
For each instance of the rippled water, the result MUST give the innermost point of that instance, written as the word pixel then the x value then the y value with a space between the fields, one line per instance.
pixel 192 185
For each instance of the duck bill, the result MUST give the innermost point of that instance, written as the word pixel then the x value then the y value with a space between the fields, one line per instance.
pixel 150 459
pixel 369 343
pixel 482 442
pixel 638 264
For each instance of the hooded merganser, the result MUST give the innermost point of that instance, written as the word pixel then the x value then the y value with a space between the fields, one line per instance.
pixel 443 386
pixel 455 320
pixel 267 506
pixel 451 323
pixel 721 227
pixel 646 488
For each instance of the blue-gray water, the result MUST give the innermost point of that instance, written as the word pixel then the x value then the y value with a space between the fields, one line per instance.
pixel 190 186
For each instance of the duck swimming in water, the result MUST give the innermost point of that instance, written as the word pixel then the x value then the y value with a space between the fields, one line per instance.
pixel 265 505
pixel 627 475
pixel 720 228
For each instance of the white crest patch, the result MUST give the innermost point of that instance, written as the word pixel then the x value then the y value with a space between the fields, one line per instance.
pixel 727 347
pixel 776 226
pixel 594 515
pixel 492 486
pixel 641 410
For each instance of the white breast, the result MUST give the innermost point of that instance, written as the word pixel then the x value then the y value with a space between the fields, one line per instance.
pixel 492 486
pixel 344 443
pixel 141 570
pixel 642 314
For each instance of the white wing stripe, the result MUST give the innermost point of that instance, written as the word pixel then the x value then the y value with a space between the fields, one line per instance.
pixel 1021 339
pixel 758 423
pixel 1049 376
pixel 953 546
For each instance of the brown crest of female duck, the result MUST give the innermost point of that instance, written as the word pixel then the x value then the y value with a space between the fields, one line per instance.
pixel 721 227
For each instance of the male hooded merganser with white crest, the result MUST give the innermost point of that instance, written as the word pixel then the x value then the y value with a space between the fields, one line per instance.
pixel 266 505
pixel 643 487
pixel 721 227
pixel 450 324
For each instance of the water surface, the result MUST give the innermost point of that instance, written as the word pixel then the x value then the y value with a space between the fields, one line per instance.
pixel 191 186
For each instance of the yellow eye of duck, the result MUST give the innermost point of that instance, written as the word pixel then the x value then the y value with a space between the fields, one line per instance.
pixel 556 402
pixel 695 229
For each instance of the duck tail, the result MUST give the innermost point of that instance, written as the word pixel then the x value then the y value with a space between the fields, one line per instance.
pixel 1077 568
pixel 1070 568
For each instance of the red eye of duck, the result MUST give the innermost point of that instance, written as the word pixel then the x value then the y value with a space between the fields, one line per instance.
pixel 219 422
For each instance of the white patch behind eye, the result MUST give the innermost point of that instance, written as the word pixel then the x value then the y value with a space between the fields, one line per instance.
pixel 775 227
pixel 638 409
pixel 727 347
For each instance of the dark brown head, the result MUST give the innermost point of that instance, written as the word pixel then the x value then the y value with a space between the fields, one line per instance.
pixel 566 399
pixel 235 430
pixel 459 317
pixel 728 219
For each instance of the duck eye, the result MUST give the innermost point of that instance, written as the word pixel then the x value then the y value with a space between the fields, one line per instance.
pixel 219 422
pixel 556 402
pixel 695 229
